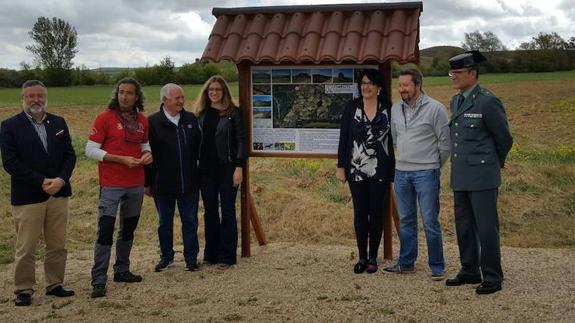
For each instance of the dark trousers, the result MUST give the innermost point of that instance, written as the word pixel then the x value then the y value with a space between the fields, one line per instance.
pixel 369 199
pixel 221 232
pixel 477 226
pixel 188 209
pixel 129 201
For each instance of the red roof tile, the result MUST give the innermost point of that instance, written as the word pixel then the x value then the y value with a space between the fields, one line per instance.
pixel 316 34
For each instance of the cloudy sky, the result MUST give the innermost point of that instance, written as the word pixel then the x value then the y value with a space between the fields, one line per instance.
pixel 132 33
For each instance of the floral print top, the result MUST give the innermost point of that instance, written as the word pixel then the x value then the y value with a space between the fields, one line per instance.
pixel 370 150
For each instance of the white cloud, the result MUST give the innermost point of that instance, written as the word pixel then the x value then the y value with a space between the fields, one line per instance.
pixel 139 32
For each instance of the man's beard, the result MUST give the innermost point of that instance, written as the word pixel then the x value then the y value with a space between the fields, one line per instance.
pixel 126 108
pixel 406 97
pixel 36 109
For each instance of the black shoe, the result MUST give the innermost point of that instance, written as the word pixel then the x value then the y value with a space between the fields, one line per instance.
pixel 127 277
pixel 460 280
pixel 224 266
pixel 371 266
pixel 98 291
pixel 59 291
pixel 163 265
pixel 487 288
pixel 23 299
pixel 192 267
pixel 210 262
pixel 360 267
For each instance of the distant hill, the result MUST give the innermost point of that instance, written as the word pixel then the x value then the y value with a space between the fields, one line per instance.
pixel 109 70
pixel 433 56
pixel 435 60
pixel 441 51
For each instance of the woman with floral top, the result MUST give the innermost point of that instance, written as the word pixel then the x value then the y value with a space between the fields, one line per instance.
pixel 366 162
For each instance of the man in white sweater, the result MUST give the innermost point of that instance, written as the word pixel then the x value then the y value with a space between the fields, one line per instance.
pixel 420 130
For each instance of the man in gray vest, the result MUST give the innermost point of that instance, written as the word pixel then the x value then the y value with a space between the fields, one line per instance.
pixel 480 141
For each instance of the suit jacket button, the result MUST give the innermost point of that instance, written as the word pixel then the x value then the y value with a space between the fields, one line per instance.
pixel 455 144
pixel 456 134
pixel 472 126
pixel 456 124
pixel 483 161
pixel 455 155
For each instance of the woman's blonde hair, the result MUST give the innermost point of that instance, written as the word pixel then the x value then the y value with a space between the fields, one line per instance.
pixel 203 99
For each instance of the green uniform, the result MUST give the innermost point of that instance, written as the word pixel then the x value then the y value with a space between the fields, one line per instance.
pixel 480 141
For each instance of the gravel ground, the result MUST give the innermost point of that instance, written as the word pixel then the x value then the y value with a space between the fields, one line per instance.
pixel 303 283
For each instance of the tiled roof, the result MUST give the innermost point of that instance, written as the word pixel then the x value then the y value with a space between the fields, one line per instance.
pixel 316 34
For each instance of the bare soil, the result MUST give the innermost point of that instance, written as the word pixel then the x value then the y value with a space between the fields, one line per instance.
pixel 302 283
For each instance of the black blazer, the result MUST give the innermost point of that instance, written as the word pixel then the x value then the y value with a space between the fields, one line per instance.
pixel 176 151
pixel 24 157
pixel 230 138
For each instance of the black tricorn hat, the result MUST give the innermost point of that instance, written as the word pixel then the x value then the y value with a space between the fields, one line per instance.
pixel 468 59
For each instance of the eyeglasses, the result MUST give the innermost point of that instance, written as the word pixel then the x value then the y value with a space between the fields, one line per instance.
pixel 367 83
pixel 34 96
pixel 452 73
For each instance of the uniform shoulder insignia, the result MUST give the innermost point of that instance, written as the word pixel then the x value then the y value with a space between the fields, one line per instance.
pixel 486 92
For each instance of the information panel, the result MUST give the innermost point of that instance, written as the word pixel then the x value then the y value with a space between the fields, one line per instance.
pixel 298 109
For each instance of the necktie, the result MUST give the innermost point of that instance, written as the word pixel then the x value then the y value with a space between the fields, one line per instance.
pixel 459 103
pixel 460 100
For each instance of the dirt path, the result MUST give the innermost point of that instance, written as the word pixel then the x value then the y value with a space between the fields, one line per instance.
pixel 290 282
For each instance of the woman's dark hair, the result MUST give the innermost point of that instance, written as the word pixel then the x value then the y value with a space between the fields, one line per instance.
pixel 376 78
pixel 139 105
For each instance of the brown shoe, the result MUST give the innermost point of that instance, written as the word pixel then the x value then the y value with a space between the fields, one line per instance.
pixel 399 269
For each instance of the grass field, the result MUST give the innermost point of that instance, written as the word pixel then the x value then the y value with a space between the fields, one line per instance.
pixel 299 199
pixel 94 95
pixel 99 95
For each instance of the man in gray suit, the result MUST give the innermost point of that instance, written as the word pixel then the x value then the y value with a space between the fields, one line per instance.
pixel 480 141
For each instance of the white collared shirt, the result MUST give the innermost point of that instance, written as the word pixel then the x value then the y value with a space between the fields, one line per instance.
pixel 175 119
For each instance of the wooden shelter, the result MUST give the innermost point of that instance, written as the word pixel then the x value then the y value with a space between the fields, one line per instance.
pixel 352 34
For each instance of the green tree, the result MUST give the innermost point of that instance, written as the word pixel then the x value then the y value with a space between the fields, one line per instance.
pixel 191 74
pixel 55 43
pixel 545 41
pixel 54 47
pixel 166 71
pixel 485 42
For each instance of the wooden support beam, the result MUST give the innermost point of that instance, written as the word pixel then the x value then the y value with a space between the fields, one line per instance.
pixel 244 84
pixel 391 210
pixel 256 223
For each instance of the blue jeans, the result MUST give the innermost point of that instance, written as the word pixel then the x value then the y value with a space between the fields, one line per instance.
pixel 188 207
pixel 413 188
pixel 221 233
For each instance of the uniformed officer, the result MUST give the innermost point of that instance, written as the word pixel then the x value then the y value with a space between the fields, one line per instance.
pixel 480 139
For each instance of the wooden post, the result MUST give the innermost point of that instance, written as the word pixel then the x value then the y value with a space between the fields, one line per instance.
pixel 256 223
pixel 393 211
pixel 385 70
pixel 244 83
